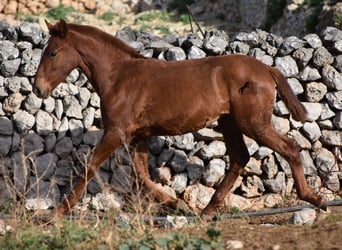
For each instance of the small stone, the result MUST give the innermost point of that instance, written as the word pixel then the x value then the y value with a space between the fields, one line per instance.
pixel 178 161
pixel 287 66
pixel 214 172
pixel 234 244
pixel 179 182
pixel 213 149
pixel 306 216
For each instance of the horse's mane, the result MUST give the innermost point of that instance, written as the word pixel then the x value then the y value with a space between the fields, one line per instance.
pixel 105 37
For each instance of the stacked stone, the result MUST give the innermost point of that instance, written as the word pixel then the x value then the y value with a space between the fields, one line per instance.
pixel 45 144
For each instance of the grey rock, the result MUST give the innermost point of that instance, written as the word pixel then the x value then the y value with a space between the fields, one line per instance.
pixel 322 57
pixel 312 131
pixel 9 68
pixel 251 38
pixel 44 190
pixel 6 126
pixel 32 103
pixel 194 168
pixel 195 53
pixel 213 149
pixel 332 138
pixel 313 40
pixel 309 74
pixel 93 136
pixel 331 35
pixel 6 144
pixel 338 120
pixel 307 163
pixel 59 108
pixel 23 121
pixel 252 145
pixel 97 184
pixel 84 97
pixel 253 187
pixel 283 164
pixel 306 216
pixel 16 141
pixel 326 112
pixel 287 65
pixel 88 117
pixel 33 144
pixel 282 125
pixel 296 86
pixel 63 128
pixel 315 91
pixel 269 166
pixel 263 152
pixel 338 46
pixel 165 156
pixel 72 107
pixel 290 44
pixel 156 144
pixel 239 47
pixel 31 32
pixel 313 109
pixel 62 90
pixel 253 167
pixel 334 99
pixel 216 42
pixel 175 54
pixel 214 172
pixel 325 161
pixel 303 56
pixel 178 161
pixel 280 108
pixel 63 147
pixel 63 173
pixel 302 141
pixel 20 168
pixel 48 104
pixel 45 166
pixel 276 185
pixel 185 142
pixel 162 175
pixel 95 100
pixel 76 131
pixel 338 63
pixel 207 134
pixel 50 142
pixel 8 51
pixel 331 77
pixel 179 182
pixel 121 179
pixel 44 123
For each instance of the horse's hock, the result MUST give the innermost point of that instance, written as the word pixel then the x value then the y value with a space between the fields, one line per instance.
pixel 44 143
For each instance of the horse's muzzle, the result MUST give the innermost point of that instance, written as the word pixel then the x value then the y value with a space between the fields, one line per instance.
pixel 41 94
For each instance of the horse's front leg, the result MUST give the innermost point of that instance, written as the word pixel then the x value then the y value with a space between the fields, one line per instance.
pixel 140 155
pixel 110 141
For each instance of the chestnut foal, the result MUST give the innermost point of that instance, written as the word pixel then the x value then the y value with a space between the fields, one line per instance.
pixel 143 97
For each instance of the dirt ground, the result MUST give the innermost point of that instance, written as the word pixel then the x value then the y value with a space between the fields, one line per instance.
pixel 274 232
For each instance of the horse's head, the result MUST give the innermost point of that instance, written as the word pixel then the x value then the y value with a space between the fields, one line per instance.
pixel 59 58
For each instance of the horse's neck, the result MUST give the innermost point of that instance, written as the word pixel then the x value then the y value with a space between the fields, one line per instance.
pixel 101 55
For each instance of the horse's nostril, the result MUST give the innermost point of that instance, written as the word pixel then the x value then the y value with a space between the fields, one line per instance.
pixel 36 91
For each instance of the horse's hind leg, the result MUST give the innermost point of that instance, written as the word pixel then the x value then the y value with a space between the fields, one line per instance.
pixel 140 155
pixel 289 149
pixel 239 157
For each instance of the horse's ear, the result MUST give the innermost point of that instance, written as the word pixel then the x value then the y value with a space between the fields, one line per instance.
pixel 48 25
pixel 59 29
pixel 63 27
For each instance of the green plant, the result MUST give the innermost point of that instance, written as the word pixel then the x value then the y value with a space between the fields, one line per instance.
pixel 108 16
pixel 60 12
pixel 338 21
pixel 150 16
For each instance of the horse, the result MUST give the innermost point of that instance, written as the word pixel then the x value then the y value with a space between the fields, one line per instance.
pixel 143 97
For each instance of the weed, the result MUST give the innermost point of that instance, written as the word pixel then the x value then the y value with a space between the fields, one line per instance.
pixel 108 16
pixel 150 16
pixel 60 12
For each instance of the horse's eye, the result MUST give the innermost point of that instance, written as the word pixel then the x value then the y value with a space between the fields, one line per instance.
pixel 53 54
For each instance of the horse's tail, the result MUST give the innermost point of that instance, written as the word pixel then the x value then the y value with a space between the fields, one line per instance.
pixel 295 107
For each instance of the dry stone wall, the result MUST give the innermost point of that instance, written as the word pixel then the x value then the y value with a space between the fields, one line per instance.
pixel 44 144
